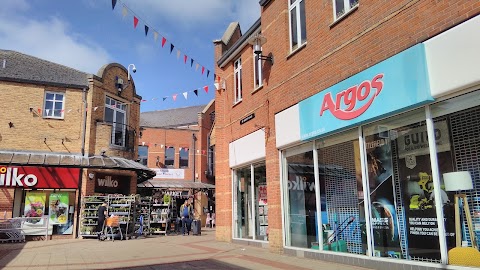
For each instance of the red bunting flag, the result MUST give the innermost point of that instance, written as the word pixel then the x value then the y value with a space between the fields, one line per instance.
pixel 206 88
pixel 135 22
pixel 185 59
pixel 203 152
pixel 39 111
pixel 144 100
pixel 203 70
pixel 174 97
pixel 163 41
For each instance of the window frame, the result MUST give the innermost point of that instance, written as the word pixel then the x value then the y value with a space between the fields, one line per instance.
pixel 172 159
pixel 237 70
pixel 123 109
pixel 257 70
pixel 291 6
pixel 54 101
pixel 347 8
pixel 187 150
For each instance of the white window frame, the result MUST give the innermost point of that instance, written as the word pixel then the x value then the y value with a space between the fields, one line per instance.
pixel 291 6
pixel 54 101
pixel 120 107
pixel 257 71
pixel 348 8
pixel 237 70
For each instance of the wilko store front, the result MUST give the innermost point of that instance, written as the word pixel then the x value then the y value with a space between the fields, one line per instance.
pixel 32 192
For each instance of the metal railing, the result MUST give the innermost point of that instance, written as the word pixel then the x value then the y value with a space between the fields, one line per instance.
pixel 15 229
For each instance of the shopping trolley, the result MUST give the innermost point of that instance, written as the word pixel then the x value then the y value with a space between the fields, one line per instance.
pixel 112 224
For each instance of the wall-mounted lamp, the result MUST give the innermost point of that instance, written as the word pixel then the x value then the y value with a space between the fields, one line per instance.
pixel 257 41
pixel 10 124
pixel 91 176
pixel 119 84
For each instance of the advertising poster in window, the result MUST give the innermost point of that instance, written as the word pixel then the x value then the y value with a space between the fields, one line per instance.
pixel 417 190
pixel 380 177
pixel 34 207
pixel 58 208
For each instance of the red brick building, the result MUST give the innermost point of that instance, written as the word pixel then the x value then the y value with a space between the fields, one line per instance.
pixel 331 136
pixel 65 131
pixel 179 145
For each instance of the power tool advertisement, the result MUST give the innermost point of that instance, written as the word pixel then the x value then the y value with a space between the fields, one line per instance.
pixel 380 175
pixel 417 190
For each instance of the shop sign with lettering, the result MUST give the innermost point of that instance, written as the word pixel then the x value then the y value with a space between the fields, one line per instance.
pixel 112 184
pixel 38 177
pixel 393 85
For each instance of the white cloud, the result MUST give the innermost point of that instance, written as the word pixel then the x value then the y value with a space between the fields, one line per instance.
pixel 49 39
pixel 197 14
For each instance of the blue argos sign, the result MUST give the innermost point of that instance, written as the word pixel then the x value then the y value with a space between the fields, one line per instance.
pixel 395 84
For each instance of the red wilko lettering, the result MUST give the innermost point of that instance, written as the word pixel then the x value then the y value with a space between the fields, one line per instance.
pixel 350 97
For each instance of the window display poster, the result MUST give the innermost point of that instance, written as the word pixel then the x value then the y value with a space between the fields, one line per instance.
pixel 418 197
pixel 380 177
pixel 262 194
pixel 58 208
pixel 34 207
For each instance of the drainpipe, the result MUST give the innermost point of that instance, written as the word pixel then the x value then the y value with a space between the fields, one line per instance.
pixel 80 176
pixel 194 139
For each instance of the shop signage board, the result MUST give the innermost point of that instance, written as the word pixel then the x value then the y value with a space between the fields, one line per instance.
pixel 38 177
pixel 393 85
pixel 170 173
pixel 106 183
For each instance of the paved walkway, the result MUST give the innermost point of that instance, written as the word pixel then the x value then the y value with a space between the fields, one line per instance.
pixel 163 252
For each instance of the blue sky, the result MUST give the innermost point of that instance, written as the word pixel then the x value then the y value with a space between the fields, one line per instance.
pixel 86 34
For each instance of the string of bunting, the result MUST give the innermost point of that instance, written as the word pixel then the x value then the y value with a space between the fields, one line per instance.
pixel 179 149
pixel 174 96
pixel 156 36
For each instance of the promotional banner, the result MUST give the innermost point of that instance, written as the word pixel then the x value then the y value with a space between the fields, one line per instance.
pixel 380 175
pixel 58 208
pixel 34 207
pixel 417 190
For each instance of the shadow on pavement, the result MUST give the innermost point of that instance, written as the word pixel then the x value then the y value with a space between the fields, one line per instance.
pixel 196 264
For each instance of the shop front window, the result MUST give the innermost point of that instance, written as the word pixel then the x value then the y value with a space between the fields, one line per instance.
pixel 403 215
pixel 56 205
pixel 250 207
pixel 300 198
pixel 458 131
pixel 261 203
pixel 243 204
pixel 341 193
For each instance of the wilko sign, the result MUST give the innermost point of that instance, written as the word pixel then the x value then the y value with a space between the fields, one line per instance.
pixel 393 85
pixel 38 177
pixel 105 183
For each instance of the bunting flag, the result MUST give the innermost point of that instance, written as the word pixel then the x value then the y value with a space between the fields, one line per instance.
pixel 164 98
pixel 146 31
pixel 206 89
pixel 214 77
pixel 196 92
pixel 198 151
pixel 185 58
pixel 47 110
pixel 161 145
pixel 126 10
pixel 39 111
pixel 185 94
pixel 178 53
pixel 135 22
pixel 144 100
pixel 174 97
pixel 179 149
pixel 203 152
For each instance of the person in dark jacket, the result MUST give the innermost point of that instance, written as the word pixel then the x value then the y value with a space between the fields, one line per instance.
pixel 186 216
pixel 102 214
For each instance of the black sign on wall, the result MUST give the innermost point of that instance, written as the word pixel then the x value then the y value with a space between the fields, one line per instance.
pixel 246 119
pixel 107 183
